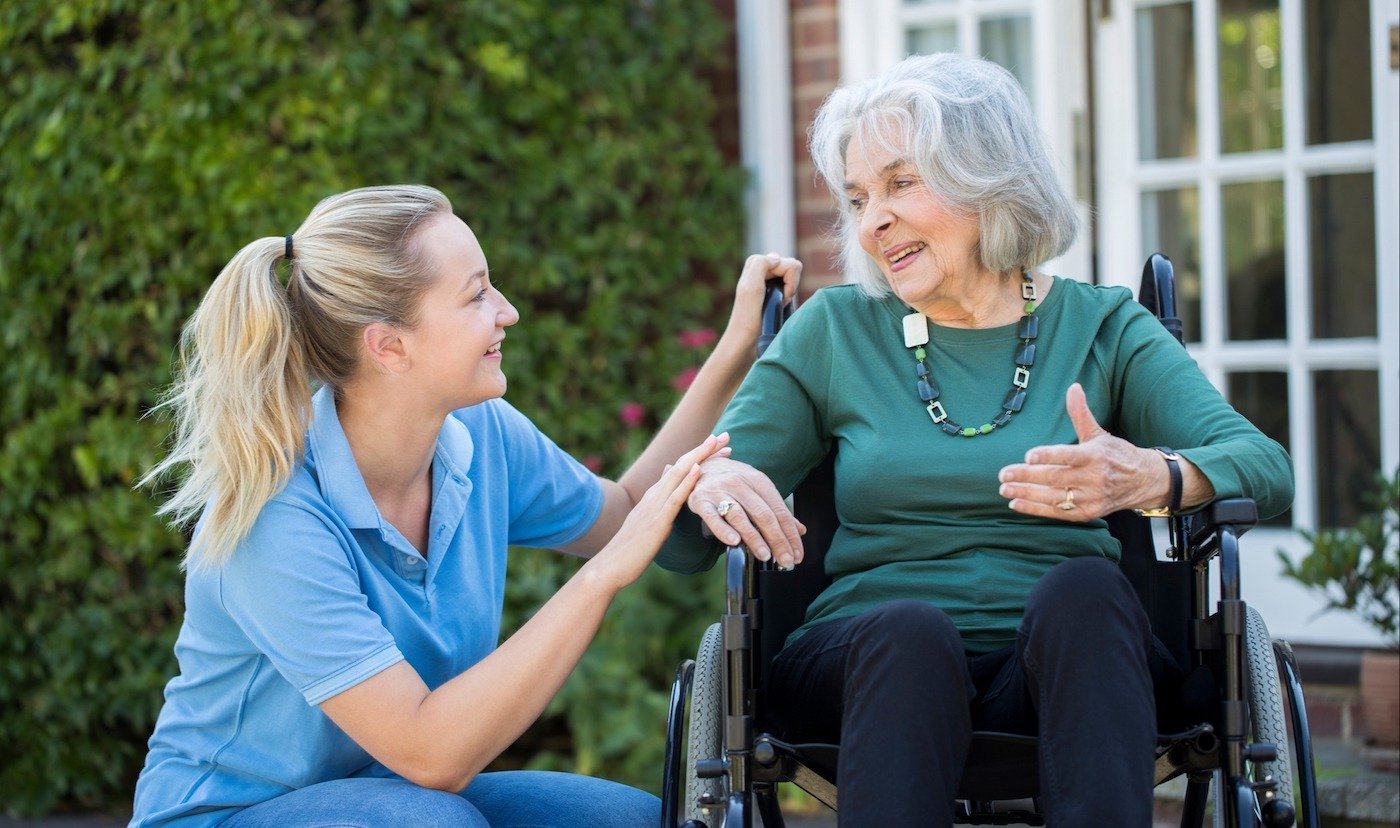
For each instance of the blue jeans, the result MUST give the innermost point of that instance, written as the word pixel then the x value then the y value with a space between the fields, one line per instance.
pixel 506 799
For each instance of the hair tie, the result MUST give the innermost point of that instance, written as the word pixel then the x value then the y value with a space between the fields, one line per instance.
pixel 288 252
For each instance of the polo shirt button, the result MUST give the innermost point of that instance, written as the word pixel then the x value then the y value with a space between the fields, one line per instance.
pixel 410 560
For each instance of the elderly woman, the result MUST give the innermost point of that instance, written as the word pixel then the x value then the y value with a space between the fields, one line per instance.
pixel 985 417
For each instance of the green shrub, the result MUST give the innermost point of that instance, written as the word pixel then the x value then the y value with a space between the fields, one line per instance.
pixel 141 144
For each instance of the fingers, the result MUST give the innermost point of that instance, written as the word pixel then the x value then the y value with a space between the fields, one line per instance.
pixel 1085 426
pixel 754 514
pixel 787 268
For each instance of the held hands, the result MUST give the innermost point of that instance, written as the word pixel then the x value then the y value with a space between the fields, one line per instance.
pixel 741 505
pixel 1100 475
pixel 748 296
pixel 637 541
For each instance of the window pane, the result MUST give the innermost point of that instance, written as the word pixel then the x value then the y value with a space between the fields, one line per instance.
pixel 1338 35
pixel 1348 443
pixel 1166 82
pixel 925 40
pixel 1171 222
pixel 1342 236
pixel 1262 397
pixel 1251 76
pixel 1007 41
pixel 1253 218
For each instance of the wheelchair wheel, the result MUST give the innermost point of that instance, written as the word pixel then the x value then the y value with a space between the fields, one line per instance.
pixel 1268 722
pixel 706 716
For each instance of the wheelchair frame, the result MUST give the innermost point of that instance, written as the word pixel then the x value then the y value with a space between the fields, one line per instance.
pixel 1231 642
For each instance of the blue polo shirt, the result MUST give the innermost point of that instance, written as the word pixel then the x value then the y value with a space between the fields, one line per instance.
pixel 324 594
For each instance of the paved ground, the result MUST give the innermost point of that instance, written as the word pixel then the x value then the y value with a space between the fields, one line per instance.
pixel 1347 788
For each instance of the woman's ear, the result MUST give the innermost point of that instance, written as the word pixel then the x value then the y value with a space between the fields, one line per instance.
pixel 385 348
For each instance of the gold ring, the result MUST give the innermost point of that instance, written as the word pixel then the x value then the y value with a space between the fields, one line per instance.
pixel 723 507
pixel 1066 505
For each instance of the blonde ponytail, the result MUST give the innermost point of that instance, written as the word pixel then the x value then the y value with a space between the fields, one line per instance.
pixel 241 398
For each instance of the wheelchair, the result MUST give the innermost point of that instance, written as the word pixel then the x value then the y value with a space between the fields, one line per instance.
pixel 722 764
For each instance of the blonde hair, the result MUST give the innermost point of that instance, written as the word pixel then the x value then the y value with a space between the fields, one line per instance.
pixel 241 397
pixel 967 126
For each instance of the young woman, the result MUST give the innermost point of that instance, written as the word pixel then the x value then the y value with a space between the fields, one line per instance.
pixel 338 658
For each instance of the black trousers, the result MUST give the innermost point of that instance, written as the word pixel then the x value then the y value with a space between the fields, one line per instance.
pixel 896 689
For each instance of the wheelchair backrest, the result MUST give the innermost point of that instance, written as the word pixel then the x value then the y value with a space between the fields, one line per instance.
pixel 1163 586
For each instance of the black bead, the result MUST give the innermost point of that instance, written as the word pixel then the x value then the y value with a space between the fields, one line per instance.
pixel 1001 419
pixel 928 392
pixel 950 427
pixel 921 369
pixel 1025 355
pixel 1015 398
pixel 1029 327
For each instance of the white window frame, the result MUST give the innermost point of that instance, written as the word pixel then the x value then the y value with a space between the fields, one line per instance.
pixel 1123 178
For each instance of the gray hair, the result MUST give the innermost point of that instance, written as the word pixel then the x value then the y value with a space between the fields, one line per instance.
pixel 966 125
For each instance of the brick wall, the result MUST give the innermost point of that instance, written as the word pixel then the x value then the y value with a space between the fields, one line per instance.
pixel 816 70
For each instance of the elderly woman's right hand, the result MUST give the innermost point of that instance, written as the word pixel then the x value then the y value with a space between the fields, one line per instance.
pixel 755 515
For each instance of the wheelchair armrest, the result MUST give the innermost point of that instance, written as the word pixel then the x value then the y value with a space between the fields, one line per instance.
pixel 1239 513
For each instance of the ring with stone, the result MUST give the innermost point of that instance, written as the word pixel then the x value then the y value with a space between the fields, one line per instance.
pixel 722 508
pixel 1066 505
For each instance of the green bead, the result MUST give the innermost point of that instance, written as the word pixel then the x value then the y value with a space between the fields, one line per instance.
pixel 986 428
pixel 969 432
pixel 919 353
pixel 1030 307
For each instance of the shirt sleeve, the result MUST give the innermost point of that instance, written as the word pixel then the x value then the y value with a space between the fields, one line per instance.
pixel 777 423
pixel 293 591
pixel 554 499
pixel 1166 400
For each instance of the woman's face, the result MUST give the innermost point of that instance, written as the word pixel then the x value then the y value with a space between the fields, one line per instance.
pixel 926 251
pixel 455 350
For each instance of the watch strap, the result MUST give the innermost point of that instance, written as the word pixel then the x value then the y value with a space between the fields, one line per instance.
pixel 1174 473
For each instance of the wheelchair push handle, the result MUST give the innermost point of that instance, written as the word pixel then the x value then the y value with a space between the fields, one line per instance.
pixel 774 314
pixel 1157 291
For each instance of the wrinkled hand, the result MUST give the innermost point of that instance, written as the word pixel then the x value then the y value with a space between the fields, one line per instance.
pixel 757 516
pixel 1100 475
pixel 744 319
pixel 647 525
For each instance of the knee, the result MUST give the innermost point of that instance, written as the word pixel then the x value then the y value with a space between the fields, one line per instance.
pixel 908 621
pixel 1088 594
pixel 907 634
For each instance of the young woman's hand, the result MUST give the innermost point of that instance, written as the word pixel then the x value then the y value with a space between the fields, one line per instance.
pixel 625 557
pixel 748 296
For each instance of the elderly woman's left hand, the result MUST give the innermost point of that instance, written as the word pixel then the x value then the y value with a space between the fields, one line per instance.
pixel 1099 475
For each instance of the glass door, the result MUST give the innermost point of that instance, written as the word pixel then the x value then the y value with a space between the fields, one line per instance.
pixel 1254 142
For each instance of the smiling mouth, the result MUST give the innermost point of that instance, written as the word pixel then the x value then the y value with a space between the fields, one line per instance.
pixel 906 252
pixel 494 349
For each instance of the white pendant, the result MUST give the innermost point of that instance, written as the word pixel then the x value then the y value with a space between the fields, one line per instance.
pixel 915 330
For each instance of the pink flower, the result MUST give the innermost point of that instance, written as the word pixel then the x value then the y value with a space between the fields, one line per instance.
pixel 697 337
pixel 593 463
pixel 631 414
pixel 682 381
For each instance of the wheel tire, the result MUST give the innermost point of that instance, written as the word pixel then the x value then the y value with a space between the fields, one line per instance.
pixel 1268 721
pixel 703 734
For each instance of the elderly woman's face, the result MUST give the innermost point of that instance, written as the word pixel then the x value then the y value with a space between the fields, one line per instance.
pixel 926 251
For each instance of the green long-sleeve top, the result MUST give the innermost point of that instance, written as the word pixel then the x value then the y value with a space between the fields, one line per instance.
pixel 919 511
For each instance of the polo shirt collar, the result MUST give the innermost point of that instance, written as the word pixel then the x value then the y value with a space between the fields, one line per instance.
pixel 339 477
pixel 340 480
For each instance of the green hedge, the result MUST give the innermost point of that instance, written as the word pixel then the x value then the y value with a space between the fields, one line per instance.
pixel 141 144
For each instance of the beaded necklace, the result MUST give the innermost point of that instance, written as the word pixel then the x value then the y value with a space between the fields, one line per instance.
pixel 916 337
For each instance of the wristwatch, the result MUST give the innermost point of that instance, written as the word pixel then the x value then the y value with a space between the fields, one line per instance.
pixel 1174 471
